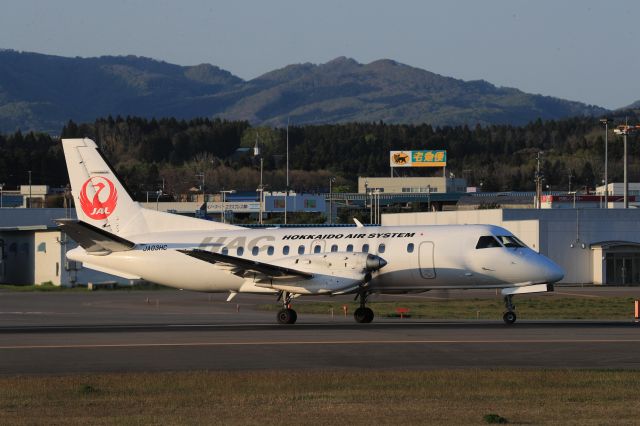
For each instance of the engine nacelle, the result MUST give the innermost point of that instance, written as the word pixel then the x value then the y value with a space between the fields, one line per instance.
pixel 332 272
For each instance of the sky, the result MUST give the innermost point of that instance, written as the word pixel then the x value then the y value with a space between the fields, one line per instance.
pixel 582 50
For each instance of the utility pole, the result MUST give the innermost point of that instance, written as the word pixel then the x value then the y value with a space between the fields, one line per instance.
pixel 605 121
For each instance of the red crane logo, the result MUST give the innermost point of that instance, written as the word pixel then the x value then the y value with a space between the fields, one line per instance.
pixel 104 200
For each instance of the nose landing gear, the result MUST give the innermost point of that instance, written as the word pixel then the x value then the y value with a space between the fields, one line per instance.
pixel 363 314
pixel 509 316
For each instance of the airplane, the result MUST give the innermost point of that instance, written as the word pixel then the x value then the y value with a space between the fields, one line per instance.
pixel 116 235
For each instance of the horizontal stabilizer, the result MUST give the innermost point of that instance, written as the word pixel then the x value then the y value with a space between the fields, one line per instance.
pixel 245 265
pixel 92 239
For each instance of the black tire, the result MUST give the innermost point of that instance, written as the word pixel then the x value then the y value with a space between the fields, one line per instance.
pixel 360 315
pixel 368 315
pixel 287 316
pixel 509 317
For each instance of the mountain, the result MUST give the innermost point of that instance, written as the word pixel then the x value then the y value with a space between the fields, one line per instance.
pixel 635 105
pixel 43 92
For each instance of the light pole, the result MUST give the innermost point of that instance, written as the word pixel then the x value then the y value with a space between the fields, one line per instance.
pixel 158 194
pixel 204 201
pixel 256 153
pixel 605 121
pixel 29 203
pixel 624 131
pixel 331 181
pixel 538 181
pixel 224 202
pixel 286 194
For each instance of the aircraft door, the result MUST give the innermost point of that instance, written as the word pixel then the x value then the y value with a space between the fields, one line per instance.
pixel 426 260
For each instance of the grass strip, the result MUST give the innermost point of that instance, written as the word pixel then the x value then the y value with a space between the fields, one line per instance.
pixel 570 397
pixel 539 308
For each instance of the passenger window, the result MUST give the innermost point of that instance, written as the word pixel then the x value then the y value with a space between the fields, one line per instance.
pixel 300 249
pixel 488 241
pixel 240 251
pixel 350 247
pixel 410 248
pixel 316 249
pixel 225 251
pixel 381 248
pixel 365 248
pixel 254 251
pixel 285 250
pixel 270 250
pixel 334 248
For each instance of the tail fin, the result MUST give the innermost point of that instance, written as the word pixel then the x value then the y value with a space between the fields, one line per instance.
pixel 103 201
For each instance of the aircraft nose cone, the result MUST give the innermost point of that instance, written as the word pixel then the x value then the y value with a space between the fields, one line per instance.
pixel 375 262
pixel 554 272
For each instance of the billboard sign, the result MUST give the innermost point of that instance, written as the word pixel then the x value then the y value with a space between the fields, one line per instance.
pixel 422 158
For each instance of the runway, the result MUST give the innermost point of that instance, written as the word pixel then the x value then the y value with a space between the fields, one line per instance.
pixel 124 331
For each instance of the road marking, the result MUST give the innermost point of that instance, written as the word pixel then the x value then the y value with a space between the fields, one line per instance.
pixel 319 342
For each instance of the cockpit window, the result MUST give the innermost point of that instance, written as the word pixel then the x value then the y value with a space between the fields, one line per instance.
pixel 487 241
pixel 510 241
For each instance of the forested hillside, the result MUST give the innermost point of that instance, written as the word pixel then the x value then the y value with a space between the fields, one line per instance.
pixel 147 151
pixel 42 92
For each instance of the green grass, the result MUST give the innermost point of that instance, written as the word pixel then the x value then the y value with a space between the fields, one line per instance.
pixel 569 397
pixel 547 307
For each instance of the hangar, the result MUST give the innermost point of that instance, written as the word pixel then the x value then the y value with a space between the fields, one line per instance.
pixel 593 246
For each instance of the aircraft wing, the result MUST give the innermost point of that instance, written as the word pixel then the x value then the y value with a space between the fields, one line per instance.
pixel 239 266
pixel 93 239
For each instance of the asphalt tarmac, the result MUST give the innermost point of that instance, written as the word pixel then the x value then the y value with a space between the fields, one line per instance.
pixel 119 331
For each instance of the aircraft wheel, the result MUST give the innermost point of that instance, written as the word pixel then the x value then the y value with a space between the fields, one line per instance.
pixel 368 315
pixel 363 315
pixel 509 317
pixel 287 316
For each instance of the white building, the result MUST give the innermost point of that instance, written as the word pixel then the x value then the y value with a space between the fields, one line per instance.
pixel 33 250
pixel 594 246
pixel 399 185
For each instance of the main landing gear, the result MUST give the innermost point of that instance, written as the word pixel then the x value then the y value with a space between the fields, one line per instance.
pixel 286 315
pixel 509 316
pixel 363 314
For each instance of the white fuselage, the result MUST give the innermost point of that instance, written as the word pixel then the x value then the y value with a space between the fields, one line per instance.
pixel 418 258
